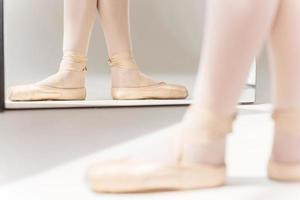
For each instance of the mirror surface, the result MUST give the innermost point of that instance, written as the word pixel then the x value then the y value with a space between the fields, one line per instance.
pixel 166 43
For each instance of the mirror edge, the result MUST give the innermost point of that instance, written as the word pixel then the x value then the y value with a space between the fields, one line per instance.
pixel 2 85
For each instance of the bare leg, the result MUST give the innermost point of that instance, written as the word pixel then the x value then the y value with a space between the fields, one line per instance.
pixel 235 31
pixel 127 80
pixel 68 83
pixel 284 52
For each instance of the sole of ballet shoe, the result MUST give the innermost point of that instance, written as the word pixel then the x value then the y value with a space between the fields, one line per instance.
pixel 159 91
pixel 284 172
pixel 128 177
pixel 44 93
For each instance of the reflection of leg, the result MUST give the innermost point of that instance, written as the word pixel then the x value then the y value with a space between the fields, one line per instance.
pixel 79 17
pixel 233 36
pixel 68 82
pixel 114 20
pixel 127 80
pixel 284 51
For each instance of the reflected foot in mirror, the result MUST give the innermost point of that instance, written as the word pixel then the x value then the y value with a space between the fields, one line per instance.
pixel 189 155
pixel 285 160
pixel 128 83
pixel 67 84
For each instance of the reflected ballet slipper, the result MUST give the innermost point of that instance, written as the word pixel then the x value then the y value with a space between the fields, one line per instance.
pixel 184 172
pixel 287 125
pixel 66 84
pixel 129 83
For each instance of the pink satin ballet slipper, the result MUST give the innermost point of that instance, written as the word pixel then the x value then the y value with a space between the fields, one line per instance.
pixel 129 83
pixel 128 175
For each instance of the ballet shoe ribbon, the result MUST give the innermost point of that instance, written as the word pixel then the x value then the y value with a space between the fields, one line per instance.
pixel 211 127
pixel 73 62
pixel 123 60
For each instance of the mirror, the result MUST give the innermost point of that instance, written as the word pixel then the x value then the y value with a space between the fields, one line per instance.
pixel 166 42
pixel 2 87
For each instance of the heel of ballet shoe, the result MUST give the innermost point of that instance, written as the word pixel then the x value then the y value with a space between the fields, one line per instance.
pixel 158 91
pixel 284 172
pixel 41 93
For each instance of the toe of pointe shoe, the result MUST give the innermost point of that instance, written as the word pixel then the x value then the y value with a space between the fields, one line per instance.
pixel 18 93
pixel 28 93
pixel 41 93
pixel 176 91
pixel 123 177
pixel 110 177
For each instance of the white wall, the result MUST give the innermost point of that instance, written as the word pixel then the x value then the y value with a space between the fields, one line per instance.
pixel 166 35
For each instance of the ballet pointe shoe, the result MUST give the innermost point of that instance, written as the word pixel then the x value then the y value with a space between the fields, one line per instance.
pixel 130 176
pixel 286 122
pixel 66 84
pixel 128 83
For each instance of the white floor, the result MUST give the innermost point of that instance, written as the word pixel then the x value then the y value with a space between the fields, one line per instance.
pixel 248 152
